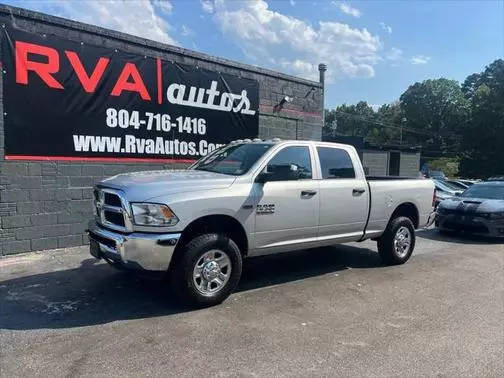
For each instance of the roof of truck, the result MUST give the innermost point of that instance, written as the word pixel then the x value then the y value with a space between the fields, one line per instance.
pixel 278 141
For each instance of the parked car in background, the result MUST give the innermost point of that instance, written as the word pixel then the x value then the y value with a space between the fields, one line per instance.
pixel 478 210
pixel 438 175
pixel 496 178
pixel 457 184
pixel 468 182
pixel 444 191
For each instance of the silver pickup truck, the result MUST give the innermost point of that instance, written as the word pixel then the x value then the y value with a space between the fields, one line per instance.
pixel 247 199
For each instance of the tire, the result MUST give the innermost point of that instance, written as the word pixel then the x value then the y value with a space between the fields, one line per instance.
pixel 394 251
pixel 200 256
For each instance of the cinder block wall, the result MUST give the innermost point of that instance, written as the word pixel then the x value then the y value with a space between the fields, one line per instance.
pixel 47 204
pixel 410 164
pixel 376 162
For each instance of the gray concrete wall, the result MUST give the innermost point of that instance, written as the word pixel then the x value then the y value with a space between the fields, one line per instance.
pixel 410 164
pixel 47 204
pixel 376 162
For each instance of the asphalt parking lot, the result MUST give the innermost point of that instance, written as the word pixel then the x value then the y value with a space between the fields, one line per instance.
pixel 325 312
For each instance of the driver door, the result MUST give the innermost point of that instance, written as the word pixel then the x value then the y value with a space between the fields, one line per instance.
pixel 287 205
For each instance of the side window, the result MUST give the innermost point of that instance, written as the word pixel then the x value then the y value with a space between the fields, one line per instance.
pixel 335 163
pixel 291 163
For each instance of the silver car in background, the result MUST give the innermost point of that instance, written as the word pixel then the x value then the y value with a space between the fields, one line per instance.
pixel 444 191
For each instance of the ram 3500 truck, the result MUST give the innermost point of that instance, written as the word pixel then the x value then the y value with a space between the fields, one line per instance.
pixel 251 198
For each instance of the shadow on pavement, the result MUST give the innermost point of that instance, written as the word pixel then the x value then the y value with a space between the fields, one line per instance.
pixel 457 237
pixel 97 294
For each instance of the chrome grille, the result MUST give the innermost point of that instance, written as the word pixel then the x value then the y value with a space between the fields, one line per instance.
pixel 112 199
pixel 112 209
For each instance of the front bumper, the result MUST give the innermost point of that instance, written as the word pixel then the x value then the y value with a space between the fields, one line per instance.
pixel 139 251
pixel 470 224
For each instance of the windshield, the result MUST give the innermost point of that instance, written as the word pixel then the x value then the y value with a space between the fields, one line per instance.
pixel 486 191
pixel 458 185
pixel 451 185
pixel 235 159
pixel 441 185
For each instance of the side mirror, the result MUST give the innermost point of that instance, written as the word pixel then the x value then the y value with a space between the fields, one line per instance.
pixel 263 177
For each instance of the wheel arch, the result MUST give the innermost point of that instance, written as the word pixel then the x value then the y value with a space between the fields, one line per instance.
pixel 216 223
pixel 408 210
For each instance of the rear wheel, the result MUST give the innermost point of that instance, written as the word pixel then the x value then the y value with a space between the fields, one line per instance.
pixel 208 270
pixel 397 243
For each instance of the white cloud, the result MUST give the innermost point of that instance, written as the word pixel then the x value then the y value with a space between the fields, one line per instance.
pixel 386 27
pixel 186 31
pixel 164 6
pixel 346 8
pixel 295 46
pixel 208 6
pixel 394 54
pixel 292 3
pixel 420 59
pixel 140 18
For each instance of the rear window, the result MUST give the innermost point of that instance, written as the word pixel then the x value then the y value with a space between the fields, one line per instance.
pixel 335 163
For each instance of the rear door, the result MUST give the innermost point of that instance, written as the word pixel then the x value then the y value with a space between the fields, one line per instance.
pixel 287 210
pixel 344 196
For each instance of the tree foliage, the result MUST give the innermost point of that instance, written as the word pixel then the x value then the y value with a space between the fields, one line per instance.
pixel 438 110
pixel 444 118
pixel 362 121
pixel 483 138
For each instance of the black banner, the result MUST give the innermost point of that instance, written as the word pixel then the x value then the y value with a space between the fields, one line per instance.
pixel 64 99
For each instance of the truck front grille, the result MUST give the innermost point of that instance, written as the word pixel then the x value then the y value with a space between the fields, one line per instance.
pixel 112 199
pixel 115 218
pixel 111 209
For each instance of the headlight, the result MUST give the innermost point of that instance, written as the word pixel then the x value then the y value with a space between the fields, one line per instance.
pixel 153 214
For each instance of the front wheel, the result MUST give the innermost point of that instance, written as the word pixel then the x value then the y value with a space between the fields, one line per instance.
pixel 396 244
pixel 208 270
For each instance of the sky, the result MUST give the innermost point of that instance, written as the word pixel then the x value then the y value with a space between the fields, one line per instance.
pixel 373 49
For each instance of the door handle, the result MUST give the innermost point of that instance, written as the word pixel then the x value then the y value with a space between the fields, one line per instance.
pixel 308 193
pixel 358 191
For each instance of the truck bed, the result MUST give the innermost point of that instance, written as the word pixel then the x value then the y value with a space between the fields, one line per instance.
pixel 387 192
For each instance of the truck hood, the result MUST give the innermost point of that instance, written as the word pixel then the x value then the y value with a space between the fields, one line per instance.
pixel 141 186
pixel 473 205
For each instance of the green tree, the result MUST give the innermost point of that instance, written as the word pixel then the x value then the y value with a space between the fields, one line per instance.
pixel 388 120
pixel 436 111
pixel 483 138
pixel 354 120
pixel 380 127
